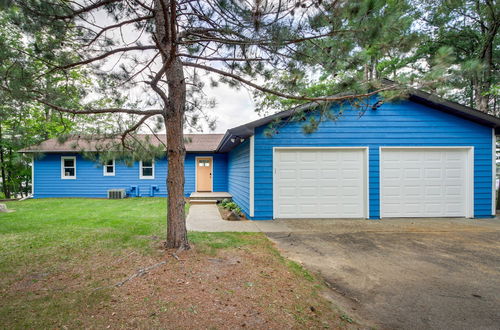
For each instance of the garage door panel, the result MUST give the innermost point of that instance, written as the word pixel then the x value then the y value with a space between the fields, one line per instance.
pixel 433 191
pixel 307 157
pixel 423 182
pixel 393 173
pixel 327 192
pixel 433 173
pixel 411 191
pixel 308 174
pixel 328 183
pixel 287 192
pixel 349 191
pixel 309 208
pixel 306 191
pixel 288 174
pixel 434 208
pixel 328 208
pixel 454 190
pixel 392 191
pixel 329 173
pixel 411 173
pixel 453 173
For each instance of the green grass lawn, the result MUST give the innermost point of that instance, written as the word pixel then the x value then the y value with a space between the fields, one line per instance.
pixel 56 255
pixel 40 229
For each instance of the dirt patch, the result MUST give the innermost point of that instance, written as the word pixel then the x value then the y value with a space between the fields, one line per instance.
pixel 246 287
pixel 407 280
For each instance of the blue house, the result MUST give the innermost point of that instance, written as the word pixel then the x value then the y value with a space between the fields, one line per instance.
pixel 421 157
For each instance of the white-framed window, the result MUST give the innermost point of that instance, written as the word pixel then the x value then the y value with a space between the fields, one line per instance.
pixel 68 167
pixel 147 169
pixel 203 162
pixel 108 168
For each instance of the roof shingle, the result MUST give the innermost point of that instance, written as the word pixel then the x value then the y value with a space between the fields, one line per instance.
pixel 194 143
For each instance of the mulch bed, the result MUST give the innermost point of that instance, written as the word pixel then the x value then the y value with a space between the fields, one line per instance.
pixel 225 214
pixel 246 287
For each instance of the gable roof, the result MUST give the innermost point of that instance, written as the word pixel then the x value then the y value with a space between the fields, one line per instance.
pixel 193 143
pixel 234 135
pixel 454 108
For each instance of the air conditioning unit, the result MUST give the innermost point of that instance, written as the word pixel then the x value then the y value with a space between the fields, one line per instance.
pixel 116 193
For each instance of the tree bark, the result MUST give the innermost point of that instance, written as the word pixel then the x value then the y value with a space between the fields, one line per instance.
pixel 175 102
pixel 5 187
pixel 176 228
pixel 489 29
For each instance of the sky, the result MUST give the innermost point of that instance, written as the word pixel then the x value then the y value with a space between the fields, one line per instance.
pixel 234 108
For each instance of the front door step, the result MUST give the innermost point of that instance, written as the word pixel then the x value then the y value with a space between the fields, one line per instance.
pixel 202 201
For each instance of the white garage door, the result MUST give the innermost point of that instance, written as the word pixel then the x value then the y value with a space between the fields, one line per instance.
pixel 423 182
pixel 320 183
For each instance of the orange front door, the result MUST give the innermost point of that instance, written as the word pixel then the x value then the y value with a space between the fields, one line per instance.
pixel 204 174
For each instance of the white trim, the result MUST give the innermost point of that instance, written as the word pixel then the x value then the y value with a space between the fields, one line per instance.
pixel 62 167
pixel 196 172
pixel 32 175
pixel 425 147
pixel 274 184
pixel 494 172
pixel 470 183
pixel 147 177
pixel 469 180
pixel 104 166
pixel 366 187
pixel 252 175
pixel 311 148
pixel 367 183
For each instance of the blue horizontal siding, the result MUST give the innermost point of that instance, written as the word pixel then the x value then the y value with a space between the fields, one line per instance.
pixel 393 124
pixel 239 175
pixel 90 181
pixel 219 172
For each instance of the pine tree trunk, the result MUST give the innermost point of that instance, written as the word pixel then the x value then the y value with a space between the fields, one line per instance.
pixel 176 228
pixel 489 29
pixel 482 100
pixel 5 187
pixel 174 121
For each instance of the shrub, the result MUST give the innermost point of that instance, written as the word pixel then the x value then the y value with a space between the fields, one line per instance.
pixel 231 206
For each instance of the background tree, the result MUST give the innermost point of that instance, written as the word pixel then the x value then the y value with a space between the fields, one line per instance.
pixel 24 122
pixel 378 40
pixel 468 31
pixel 148 62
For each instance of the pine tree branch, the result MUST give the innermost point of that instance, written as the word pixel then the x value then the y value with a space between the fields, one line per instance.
pixel 284 95
pixel 117 25
pixel 230 59
pixel 87 9
pixel 156 136
pixel 156 79
pixel 134 128
pixel 259 42
pixel 103 56
pixel 90 111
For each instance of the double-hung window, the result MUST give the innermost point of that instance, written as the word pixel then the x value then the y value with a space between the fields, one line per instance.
pixel 147 169
pixel 68 167
pixel 109 168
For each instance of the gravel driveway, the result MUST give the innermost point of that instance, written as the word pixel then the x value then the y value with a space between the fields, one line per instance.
pixel 405 274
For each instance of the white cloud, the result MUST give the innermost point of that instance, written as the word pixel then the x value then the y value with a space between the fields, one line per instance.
pixel 234 107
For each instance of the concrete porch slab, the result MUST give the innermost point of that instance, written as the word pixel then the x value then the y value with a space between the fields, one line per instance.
pixel 206 217
pixel 216 195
